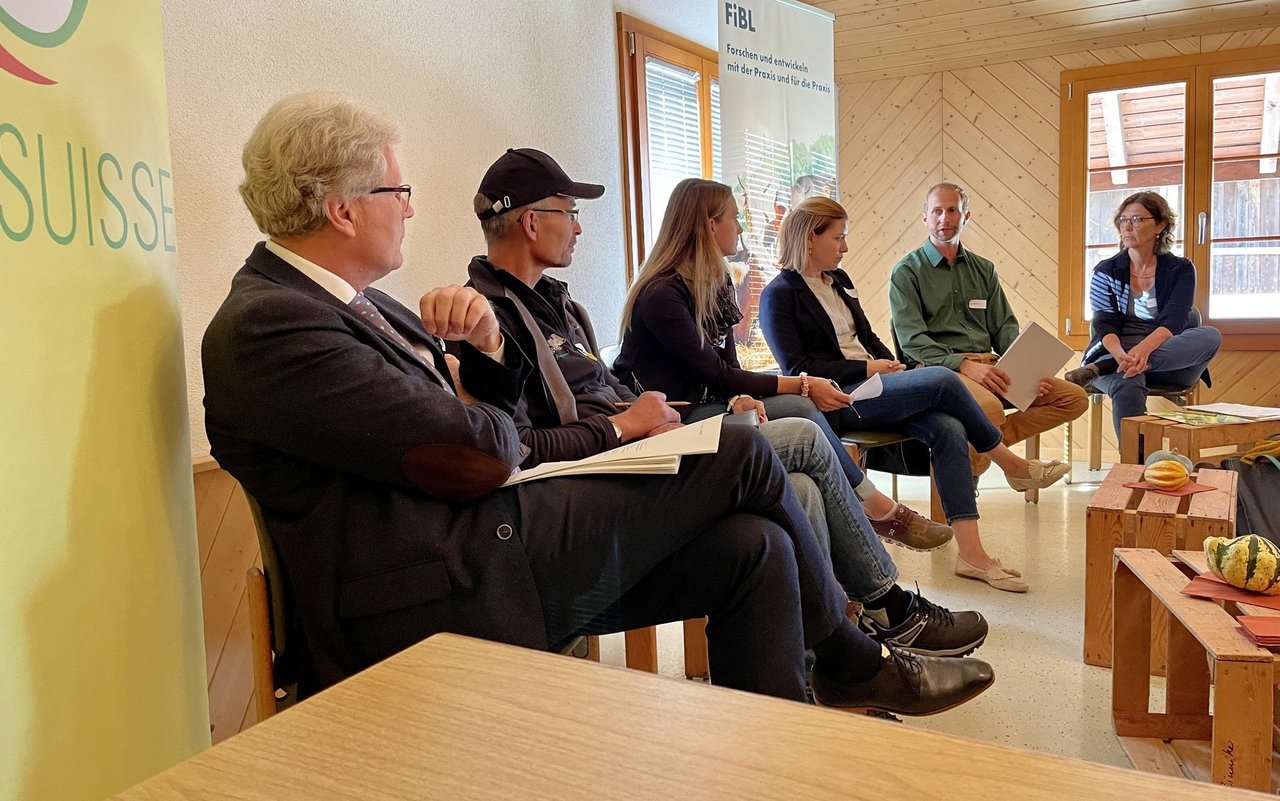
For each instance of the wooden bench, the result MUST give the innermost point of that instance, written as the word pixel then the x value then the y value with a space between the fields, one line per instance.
pixel 1140 436
pixel 1239 727
pixel 1120 517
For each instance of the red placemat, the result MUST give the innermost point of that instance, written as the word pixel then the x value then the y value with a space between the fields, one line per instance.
pixel 1207 586
pixel 1190 488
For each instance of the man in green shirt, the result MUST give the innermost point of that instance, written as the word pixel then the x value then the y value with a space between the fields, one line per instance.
pixel 949 310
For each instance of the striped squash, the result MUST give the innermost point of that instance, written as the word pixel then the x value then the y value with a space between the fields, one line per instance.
pixel 1249 562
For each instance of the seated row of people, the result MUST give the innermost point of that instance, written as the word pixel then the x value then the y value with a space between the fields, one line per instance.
pixel 379 463
pixel 677 336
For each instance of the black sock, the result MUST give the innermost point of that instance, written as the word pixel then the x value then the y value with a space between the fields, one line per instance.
pixel 895 602
pixel 847 655
pixel 1106 366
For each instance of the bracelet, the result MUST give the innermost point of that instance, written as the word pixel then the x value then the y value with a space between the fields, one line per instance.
pixel 804 385
pixel 729 407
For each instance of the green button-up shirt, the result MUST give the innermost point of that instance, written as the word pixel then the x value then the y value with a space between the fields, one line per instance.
pixel 941 309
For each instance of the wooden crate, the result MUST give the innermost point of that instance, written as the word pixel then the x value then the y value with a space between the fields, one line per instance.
pixel 1242 674
pixel 1144 435
pixel 1120 517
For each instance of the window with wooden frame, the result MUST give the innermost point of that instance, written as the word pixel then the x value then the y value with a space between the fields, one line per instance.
pixel 1204 131
pixel 670 115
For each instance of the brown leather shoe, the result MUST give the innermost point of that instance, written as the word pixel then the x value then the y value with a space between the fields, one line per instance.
pixel 909 685
pixel 910 530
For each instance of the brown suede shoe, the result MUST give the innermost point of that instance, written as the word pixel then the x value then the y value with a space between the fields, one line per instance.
pixel 909 685
pixel 910 530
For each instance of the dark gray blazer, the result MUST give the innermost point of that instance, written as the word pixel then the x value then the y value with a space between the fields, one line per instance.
pixel 376 483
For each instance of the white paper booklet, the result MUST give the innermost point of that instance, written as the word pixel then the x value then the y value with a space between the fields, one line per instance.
pixel 653 455
pixel 1035 355
pixel 1240 410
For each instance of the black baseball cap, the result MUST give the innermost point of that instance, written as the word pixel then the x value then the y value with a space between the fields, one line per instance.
pixel 522 175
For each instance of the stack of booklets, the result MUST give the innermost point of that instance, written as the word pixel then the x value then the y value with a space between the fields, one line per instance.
pixel 1239 410
pixel 659 455
pixel 1263 630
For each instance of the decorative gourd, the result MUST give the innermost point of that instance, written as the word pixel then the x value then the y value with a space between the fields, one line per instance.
pixel 1249 562
pixel 1166 474
pixel 1160 456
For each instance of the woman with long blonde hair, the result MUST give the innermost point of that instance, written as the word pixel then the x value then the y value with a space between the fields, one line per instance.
pixel 813 320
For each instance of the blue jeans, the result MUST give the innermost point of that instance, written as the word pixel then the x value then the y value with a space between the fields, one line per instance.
pixel 858 558
pixel 779 407
pixel 1178 362
pixel 931 404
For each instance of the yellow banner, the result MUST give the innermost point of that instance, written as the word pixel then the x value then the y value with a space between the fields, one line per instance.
pixel 102 674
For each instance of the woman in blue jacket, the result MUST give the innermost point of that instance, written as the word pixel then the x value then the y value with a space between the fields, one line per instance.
pixel 813 321
pixel 1142 299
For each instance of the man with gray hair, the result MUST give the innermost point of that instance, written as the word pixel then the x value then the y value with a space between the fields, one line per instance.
pixel 949 309
pixel 334 407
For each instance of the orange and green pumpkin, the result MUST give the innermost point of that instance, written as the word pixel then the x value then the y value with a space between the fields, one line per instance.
pixel 1166 474
pixel 1249 562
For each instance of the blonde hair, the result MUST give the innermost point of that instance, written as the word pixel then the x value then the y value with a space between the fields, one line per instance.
pixel 685 247
pixel 812 216
pixel 305 149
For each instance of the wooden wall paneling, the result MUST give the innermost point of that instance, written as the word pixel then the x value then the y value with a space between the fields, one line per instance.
pixel 864 63
pixel 223 578
pixel 886 102
pixel 213 493
pixel 231 685
pixel 880 181
pixel 1007 111
pixel 996 179
pixel 229 546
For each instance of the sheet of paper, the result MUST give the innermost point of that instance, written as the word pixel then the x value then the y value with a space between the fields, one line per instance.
pixel 1035 355
pixel 1240 410
pixel 873 387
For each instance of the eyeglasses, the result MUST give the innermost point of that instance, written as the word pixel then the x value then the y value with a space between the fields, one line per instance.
pixel 1134 221
pixel 402 192
pixel 573 213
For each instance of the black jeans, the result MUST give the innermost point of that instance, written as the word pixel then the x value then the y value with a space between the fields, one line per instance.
pixel 724 538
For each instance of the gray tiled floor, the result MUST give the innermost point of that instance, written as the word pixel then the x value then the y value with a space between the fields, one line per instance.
pixel 1045 698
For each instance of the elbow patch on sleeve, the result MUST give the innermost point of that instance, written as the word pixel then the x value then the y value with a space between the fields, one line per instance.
pixel 453 472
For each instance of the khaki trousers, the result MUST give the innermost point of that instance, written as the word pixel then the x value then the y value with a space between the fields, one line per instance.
pixel 1065 401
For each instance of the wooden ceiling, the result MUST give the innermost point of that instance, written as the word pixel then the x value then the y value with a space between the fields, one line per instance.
pixel 889 38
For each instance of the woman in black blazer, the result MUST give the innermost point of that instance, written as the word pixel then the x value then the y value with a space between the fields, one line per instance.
pixel 813 321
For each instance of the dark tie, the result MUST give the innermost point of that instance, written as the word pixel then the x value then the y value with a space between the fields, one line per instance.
pixel 365 308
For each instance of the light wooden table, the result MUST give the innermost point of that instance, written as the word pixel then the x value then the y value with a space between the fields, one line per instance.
pixel 1140 436
pixel 1242 674
pixel 459 718
pixel 1121 517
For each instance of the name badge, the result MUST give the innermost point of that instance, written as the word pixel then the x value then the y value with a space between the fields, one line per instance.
pixel 977 303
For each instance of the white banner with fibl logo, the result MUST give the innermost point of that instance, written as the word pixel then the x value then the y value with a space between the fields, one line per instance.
pixel 102 670
pixel 777 133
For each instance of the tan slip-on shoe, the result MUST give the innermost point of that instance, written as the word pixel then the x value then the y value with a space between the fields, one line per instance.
pixel 1043 474
pixel 994 574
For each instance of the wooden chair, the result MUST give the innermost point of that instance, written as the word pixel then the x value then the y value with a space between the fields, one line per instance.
pixel 269 612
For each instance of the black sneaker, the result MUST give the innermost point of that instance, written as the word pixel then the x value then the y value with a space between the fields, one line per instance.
pixel 927 629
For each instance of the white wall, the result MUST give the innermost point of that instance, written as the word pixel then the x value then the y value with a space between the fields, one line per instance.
pixel 465 80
